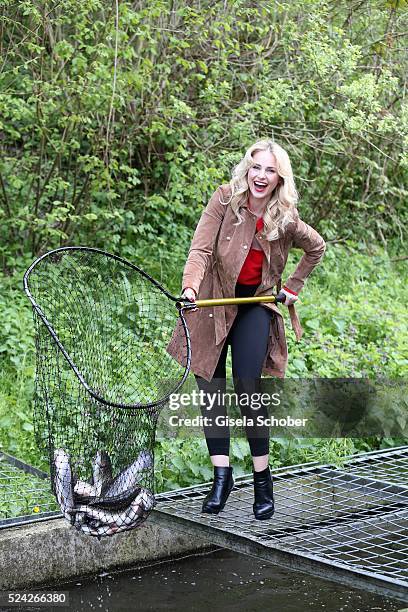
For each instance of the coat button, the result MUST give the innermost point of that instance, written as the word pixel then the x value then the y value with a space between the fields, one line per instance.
pixel 245 246
pixel 228 238
pixel 210 315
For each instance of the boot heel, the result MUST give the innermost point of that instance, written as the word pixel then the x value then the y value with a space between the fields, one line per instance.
pixel 222 486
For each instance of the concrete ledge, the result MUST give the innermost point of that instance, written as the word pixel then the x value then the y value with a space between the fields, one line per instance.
pixel 51 551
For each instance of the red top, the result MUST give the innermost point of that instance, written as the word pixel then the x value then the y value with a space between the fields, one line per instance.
pixel 251 271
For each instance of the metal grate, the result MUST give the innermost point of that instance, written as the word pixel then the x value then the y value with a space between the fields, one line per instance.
pixel 25 493
pixel 347 523
pixel 352 519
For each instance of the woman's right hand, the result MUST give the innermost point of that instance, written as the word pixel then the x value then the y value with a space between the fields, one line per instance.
pixel 189 294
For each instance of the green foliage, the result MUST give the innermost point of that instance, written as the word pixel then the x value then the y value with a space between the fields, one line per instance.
pixel 183 462
pixel 353 311
pixel 123 150
pixel 17 372
pixel 292 451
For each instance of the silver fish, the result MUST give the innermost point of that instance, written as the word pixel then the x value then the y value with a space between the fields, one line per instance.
pixel 113 503
pixel 63 483
pixel 79 520
pixel 102 530
pixel 102 472
pixel 129 477
pixel 90 531
pixel 137 510
pixel 84 489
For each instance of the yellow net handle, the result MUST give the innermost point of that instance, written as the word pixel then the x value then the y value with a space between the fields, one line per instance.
pixel 227 301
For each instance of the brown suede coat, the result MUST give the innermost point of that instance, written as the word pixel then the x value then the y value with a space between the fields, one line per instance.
pixel 216 256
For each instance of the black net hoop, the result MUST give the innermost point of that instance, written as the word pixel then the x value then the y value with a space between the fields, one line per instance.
pixel 102 375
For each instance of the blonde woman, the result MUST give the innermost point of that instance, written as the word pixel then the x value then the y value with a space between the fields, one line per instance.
pixel 240 248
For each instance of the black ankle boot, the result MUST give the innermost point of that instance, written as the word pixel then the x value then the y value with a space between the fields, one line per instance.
pixel 263 487
pixel 223 482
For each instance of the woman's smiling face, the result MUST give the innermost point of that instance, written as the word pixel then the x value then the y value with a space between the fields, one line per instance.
pixel 263 177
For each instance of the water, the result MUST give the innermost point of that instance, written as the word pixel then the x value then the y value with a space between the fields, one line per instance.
pixel 218 581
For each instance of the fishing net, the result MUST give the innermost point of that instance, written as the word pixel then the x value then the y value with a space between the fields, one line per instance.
pixel 102 376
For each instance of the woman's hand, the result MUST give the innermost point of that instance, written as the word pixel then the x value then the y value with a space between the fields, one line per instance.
pixel 290 296
pixel 189 294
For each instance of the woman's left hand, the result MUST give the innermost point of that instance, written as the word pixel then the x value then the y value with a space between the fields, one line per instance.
pixel 290 296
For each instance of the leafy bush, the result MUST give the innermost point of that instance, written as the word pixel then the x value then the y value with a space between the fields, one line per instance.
pixel 353 313
pixel 123 149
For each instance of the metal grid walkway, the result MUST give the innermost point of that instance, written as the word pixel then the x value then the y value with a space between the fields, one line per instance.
pixel 347 523
pixel 25 494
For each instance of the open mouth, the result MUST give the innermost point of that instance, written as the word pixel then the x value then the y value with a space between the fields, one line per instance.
pixel 259 186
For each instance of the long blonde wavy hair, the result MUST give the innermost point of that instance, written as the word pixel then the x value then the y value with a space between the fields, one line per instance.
pixel 280 208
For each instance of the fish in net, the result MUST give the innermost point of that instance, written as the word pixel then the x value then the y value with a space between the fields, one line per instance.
pixel 102 376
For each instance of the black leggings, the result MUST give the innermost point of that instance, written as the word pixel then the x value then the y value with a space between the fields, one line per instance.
pixel 248 338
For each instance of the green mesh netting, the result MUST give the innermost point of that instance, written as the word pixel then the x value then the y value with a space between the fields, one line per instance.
pixel 102 375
